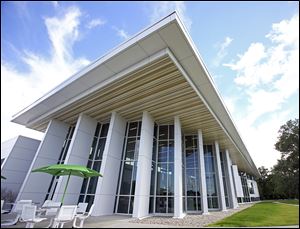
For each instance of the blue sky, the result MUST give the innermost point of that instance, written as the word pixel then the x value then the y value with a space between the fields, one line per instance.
pixel 250 48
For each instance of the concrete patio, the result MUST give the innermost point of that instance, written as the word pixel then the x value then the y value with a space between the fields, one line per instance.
pixel 125 221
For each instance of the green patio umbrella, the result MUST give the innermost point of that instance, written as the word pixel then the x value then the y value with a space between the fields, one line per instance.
pixel 3 177
pixel 68 170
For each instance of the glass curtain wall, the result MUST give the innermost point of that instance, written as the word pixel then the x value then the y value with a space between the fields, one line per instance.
pixel 61 160
pixel 153 169
pixel 246 192
pixel 162 182
pixel 225 177
pixel 210 174
pixel 127 178
pixel 183 174
pixel 89 185
pixel 192 173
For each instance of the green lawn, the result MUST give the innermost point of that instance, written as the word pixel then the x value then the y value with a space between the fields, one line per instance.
pixel 288 201
pixel 262 214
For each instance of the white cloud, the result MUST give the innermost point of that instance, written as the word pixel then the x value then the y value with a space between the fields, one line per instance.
pixel 19 89
pixel 164 8
pixel 95 22
pixel 121 33
pixel 222 51
pixel 269 75
pixel 230 104
pixel 260 139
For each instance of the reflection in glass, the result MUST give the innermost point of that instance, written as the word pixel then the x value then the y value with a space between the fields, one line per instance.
pixel 191 204
pixel 224 177
pixel 161 205
pixel 162 182
pixel 162 151
pixel 171 151
pixel 61 160
pixel 192 180
pixel 210 174
pixel 171 179
pixel 127 179
pixel 89 185
pixel 163 132
pixel 170 205
pixel 123 204
pixel 90 200
pixel 163 170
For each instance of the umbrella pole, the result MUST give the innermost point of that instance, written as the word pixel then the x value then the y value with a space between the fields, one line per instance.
pixel 62 199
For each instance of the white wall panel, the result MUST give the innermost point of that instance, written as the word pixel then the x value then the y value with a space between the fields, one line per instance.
pixel 110 167
pixel 143 177
pixel 178 206
pixel 78 154
pixel 36 185
pixel 237 181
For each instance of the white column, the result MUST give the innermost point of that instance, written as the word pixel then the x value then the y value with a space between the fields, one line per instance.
pixel 203 189
pixel 35 185
pixel 78 154
pixel 256 191
pixel 233 199
pixel 110 167
pixel 143 176
pixel 237 182
pixel 220 179
pixel 178 207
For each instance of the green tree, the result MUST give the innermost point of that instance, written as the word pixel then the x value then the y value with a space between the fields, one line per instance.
pixel 286 171
pixel 282 181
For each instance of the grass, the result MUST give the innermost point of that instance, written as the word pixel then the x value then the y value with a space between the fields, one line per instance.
pixel 262 214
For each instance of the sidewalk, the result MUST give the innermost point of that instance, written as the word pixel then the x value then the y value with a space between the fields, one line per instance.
pixel 286 204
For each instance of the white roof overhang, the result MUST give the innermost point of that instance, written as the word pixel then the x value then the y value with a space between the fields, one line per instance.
pixel 166 43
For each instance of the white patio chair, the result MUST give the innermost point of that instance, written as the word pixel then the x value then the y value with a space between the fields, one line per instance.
pixel 43 208
pixel 51 213
pixel 82 217
pixel 65 214
pixel 81 208
pixel 19 206
pixel 3 211
pixel 28 216
pixel 15 213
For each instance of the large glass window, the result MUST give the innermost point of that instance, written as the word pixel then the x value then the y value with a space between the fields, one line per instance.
pixel 245 187
pixel 210 174
pixel 61 160
pixel 162 177
pixel 225 177
pixel 127 179
pixel 153 169
pixel 192 173
pixel 89 185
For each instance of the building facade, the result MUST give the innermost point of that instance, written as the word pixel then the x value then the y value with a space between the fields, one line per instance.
pixel 148 117
pixel 16 157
